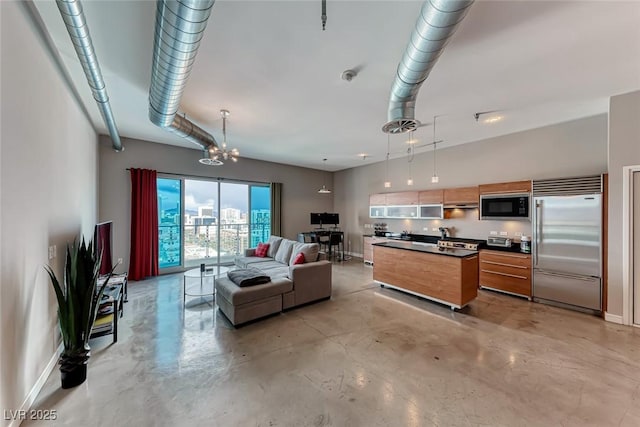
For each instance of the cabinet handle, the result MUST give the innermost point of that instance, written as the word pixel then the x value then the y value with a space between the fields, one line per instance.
pixel 505 274
pixel 506 265
pixel 513 255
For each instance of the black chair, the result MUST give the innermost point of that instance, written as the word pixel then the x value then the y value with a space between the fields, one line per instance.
pixel 336 239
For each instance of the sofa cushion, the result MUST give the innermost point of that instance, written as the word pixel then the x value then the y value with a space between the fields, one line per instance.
pixel 284 251
pixel 238 296
pixel 280 270
pixel 261 250
pixel 274 244
pixel 310 251
pixel 246 261
pixel 299 259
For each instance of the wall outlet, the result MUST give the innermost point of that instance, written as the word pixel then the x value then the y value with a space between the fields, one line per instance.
pixel 504 233
pixel 518 233
pixel 493 233
pixel 119 261
pixel 434 229
pixel 52 252
pixel 425 229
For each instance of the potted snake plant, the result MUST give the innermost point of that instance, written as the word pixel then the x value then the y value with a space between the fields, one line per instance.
pixel 78 298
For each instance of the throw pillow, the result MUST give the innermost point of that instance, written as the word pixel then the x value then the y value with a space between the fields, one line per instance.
pixel 299 259
pixel 261 250
pixel 310 251
pixel 274 244
pixel 284 251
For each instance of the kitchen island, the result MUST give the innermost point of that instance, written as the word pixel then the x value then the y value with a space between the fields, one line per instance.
pixel 448 276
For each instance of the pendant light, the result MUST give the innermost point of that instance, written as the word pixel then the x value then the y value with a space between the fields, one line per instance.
pixel 230 154
pixel 410 159
pixel 324 189
pixel 387 183
pixel 434 178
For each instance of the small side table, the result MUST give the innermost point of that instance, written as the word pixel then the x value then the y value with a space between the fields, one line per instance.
pixel 203 286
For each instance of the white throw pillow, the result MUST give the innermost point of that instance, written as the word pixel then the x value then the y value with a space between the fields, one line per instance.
pixel 284 251
pixel 274 244
pixel 310 251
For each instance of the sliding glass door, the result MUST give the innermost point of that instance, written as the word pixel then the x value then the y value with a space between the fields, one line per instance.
pixel 200 222
pixel 260 214
pixel 169 224
pixel 219 220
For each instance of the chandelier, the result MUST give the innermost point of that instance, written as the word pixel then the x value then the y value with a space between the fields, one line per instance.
pixel 217 155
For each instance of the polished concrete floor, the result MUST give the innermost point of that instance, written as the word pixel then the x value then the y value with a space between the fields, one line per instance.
pixel 367 357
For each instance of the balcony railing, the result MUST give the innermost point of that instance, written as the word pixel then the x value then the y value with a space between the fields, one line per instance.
pixel 203 244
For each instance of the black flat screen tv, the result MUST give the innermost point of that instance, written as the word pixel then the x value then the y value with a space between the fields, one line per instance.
pixel 316 218
pixel 331 218
pixel 325 218
pixel 102 236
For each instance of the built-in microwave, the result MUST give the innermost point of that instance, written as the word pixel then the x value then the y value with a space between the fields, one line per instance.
pixel 505 206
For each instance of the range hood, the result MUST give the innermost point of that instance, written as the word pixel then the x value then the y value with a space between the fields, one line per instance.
pixel 461 206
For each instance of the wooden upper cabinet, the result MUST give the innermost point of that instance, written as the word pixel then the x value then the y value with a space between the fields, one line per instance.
pixel 460 196
pixel 377 200
pixel 506 187
pixel 402 199
pixel 430 197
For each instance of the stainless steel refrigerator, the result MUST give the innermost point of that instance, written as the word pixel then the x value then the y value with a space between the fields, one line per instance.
pixel 567 260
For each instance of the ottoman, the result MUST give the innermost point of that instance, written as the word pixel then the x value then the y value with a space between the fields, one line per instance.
pixel 241 305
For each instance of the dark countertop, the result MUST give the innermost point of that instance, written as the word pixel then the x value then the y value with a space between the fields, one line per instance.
pixel 482 244
pixel 458 253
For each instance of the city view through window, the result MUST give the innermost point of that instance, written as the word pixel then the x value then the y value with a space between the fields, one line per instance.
pixel 220 220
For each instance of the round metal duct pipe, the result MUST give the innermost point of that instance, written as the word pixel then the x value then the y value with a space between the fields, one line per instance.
pixel 435 26
pixel 74 20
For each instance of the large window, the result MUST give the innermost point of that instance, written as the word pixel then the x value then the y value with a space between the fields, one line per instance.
pixel 169 201
pixel 219 221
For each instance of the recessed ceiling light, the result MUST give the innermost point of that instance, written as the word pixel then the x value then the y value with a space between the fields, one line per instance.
pixel 363 156
pixel 493 119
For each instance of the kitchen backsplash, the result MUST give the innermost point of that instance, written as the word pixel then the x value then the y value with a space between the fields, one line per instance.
pixel 462 223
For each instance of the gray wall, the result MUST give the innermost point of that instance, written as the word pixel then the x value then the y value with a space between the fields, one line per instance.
pixel 299 190
pixel 624 150
pixel 568 149
pixel 47 197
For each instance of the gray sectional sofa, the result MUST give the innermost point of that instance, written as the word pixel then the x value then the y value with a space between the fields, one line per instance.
pixel 290 285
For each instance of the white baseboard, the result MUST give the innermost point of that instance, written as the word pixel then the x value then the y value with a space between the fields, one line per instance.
pixel 613 318
pixel 37 387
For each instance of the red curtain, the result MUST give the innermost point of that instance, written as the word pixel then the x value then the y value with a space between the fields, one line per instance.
pixel 143 260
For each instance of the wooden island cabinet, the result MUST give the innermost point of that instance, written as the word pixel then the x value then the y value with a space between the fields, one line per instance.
pixel 447 276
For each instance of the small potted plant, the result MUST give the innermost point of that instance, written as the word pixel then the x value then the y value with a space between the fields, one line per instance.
pixel 78 300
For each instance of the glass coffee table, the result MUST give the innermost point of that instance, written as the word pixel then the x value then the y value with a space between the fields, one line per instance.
pixel 201 284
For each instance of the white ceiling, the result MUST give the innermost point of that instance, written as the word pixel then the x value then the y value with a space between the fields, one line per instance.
pixel 272 66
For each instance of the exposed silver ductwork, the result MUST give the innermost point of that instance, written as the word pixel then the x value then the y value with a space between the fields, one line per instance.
pixel 435 26
pixel 179 29
pixel 74 20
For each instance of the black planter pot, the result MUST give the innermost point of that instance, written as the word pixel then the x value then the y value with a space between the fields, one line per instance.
pixel 73 376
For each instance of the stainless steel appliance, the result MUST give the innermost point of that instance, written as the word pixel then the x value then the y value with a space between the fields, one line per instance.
pixel 505 206
pixel 458 244
pixel 503 242
pixel 567 243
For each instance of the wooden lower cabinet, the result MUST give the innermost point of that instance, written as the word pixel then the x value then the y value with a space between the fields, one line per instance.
pixel 506 271
pixel 445 279
pixel 367 247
